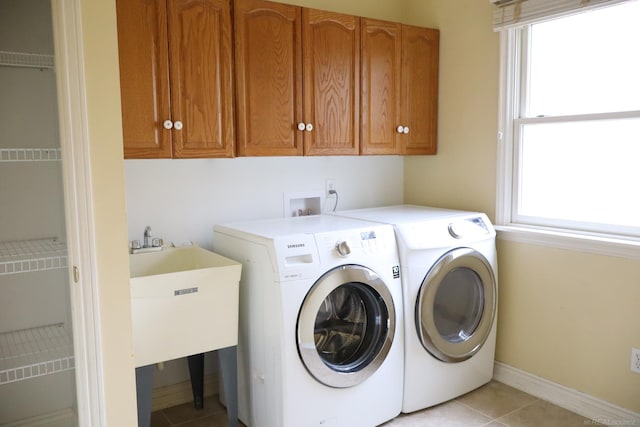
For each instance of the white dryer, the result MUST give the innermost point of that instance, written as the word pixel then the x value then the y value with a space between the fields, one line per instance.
pixel 321 331
pixel 449 277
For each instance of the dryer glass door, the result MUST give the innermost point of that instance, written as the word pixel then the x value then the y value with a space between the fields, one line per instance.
pixel 456 305
pixel 346 326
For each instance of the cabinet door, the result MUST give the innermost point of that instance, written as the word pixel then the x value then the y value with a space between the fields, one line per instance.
pixel 201 78
pixel 268 48
pixel 381 87
pixel 420 51
pixel 331 82
pixel 144 78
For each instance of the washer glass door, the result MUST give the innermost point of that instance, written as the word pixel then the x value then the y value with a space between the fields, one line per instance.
pixel 346 326
pixel 456 305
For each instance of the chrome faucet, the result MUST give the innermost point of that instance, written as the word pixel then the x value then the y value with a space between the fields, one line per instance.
pixel 150 243
pixel 147 236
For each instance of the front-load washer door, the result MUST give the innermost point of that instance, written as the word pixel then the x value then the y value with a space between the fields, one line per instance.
pixel 456 305
pixel 346 326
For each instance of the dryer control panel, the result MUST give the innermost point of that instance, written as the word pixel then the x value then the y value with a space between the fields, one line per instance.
pixel 468 227
pixel 443 232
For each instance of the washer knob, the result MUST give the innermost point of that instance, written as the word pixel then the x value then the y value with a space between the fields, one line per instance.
pixel 343 248
pixel 456 231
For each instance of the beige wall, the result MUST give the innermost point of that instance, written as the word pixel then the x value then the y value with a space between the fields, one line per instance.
pixel 566 316
pixel 108 197
pixel 462 174
pixel 571 317
pixel 391 10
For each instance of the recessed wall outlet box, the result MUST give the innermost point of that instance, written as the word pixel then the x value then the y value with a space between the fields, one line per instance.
pixel 635 360
pixel 302 204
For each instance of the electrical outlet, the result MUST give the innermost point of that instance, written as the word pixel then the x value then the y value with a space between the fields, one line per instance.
pixel 635 360
pixel 330 185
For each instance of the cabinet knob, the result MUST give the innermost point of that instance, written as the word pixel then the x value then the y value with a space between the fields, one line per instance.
pixel 309 127
pixel 405 129
pixel 168 124
pixel 400 129
pixel 178 125
pixel 302 126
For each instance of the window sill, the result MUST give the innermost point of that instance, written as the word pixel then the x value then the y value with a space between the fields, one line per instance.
pixel 591 243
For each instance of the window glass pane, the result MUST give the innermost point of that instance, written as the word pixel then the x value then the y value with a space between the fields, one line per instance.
pixel 586 63
pixel 581 171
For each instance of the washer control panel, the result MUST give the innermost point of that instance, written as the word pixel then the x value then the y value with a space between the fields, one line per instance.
pixel 346 246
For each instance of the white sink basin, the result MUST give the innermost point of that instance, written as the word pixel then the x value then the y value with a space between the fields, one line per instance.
pixel 184 301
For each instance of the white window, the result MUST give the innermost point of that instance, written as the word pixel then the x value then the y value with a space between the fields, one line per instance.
pixel 570 124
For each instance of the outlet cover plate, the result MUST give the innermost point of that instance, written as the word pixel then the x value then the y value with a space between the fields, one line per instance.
pixel 635 360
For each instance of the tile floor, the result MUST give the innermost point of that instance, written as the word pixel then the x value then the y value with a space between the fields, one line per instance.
pixel 493 405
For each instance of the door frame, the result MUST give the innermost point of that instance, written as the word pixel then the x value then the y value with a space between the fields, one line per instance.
pixel 70 81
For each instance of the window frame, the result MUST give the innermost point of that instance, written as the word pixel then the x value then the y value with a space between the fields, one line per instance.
pixel 514 44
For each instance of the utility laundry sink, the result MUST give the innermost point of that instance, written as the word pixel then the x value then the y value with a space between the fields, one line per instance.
pixel 184 301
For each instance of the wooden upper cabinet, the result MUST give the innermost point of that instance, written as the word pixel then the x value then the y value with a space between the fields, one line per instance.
pixel 144 77
pixel 306 81
pixel 176 75
pixel 399 88
pixel 381 87
pixel 297 80
pixel 268 50
pixel 331 82
pixel 201 77
pixel 420 55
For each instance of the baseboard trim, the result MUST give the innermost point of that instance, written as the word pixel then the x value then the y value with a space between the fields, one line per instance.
pixel 63 418
pixel 573 400
pixel 177 394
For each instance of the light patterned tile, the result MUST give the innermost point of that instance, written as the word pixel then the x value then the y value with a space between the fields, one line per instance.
pixel 496 399
pixel 541 413
pixel 450 414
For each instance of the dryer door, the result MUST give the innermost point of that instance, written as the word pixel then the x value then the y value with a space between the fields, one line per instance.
pixel 456 305
pixel 346 326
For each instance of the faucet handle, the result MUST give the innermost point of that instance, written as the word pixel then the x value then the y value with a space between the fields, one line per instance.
pixel 156 242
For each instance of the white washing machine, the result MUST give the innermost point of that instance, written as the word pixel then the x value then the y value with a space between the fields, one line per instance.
pixel 321 331
pixel 449 277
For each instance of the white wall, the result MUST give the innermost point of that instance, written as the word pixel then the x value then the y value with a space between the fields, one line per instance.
pixel 182 199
